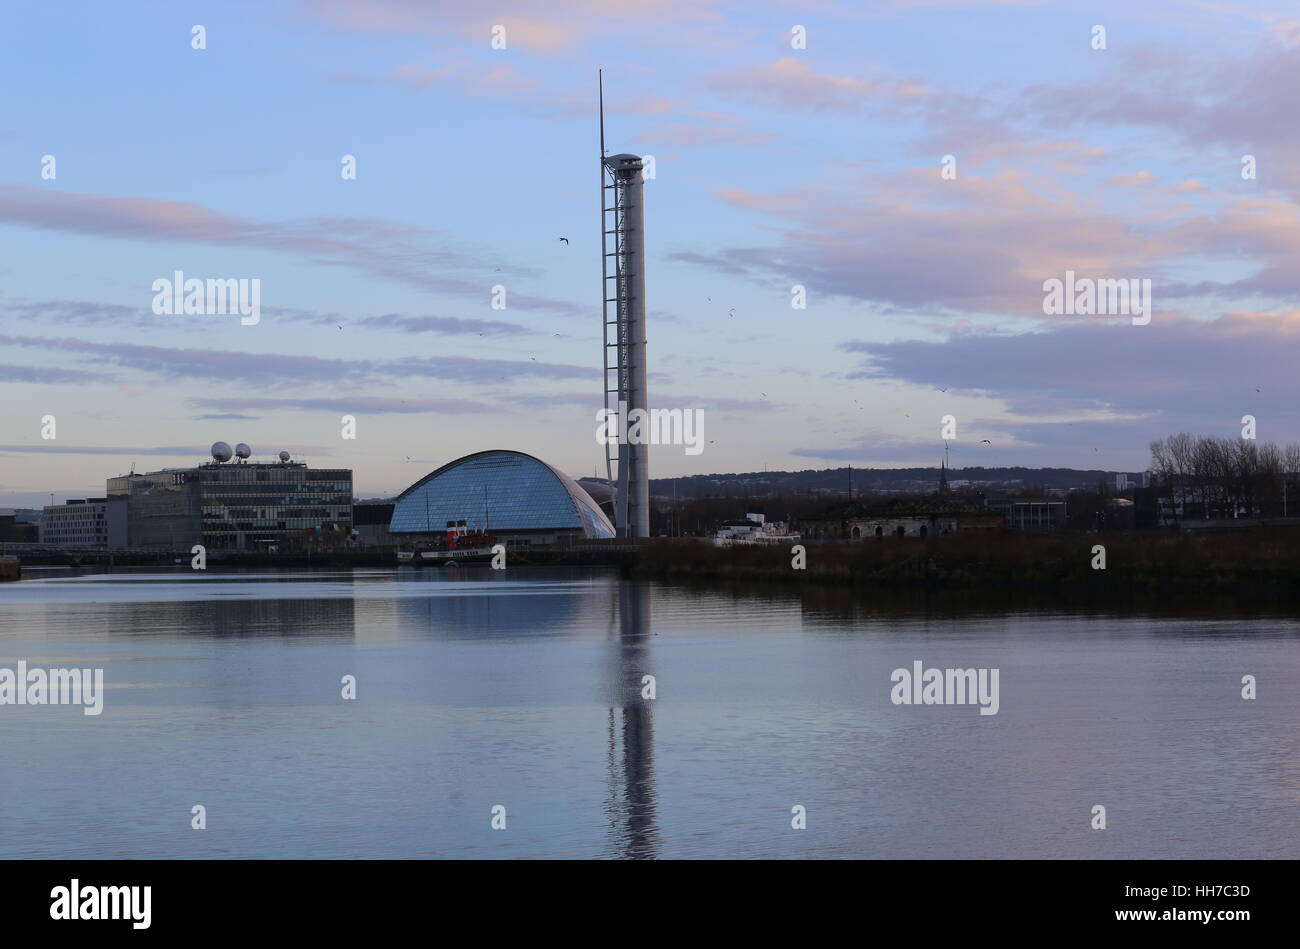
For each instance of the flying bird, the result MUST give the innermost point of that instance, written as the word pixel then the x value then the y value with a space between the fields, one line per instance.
pixel 565 239
pixel 943 390
pixel 986 442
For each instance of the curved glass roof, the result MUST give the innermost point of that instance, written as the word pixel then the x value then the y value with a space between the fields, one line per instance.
pixel 498 491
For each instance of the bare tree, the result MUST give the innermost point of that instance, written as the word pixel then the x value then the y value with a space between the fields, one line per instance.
pixel 1211 477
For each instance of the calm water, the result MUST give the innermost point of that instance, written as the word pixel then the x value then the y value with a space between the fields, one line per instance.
pixel 523 690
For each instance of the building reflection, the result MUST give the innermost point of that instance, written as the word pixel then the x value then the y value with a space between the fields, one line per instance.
pixel 479 604
pixel 232 617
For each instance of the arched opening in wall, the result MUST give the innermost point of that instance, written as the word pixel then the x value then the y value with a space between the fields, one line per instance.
pixel 900 532
pixel 857 532
pixel 880 532
pixel 923 530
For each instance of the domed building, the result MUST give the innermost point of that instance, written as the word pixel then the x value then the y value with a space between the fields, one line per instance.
pixel 515 497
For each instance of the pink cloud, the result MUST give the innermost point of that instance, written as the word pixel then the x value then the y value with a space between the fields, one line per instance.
pixel 550 28
pixel 984 243
pixel 496 81
pixel 682 135
pixel 1136 179
pixel 414 256
pixel 790 83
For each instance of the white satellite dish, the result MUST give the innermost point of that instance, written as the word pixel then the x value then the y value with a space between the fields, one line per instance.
pixel 242 450
pixel 221 452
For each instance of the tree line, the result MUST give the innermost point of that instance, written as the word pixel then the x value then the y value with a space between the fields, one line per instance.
pixel 1211 477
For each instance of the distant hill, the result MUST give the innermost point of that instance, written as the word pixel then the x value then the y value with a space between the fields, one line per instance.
pixel 836 481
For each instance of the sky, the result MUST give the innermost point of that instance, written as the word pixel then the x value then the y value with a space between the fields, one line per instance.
pixel 919 167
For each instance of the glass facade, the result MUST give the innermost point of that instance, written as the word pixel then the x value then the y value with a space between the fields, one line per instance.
pixel 497 492
pixel 236 506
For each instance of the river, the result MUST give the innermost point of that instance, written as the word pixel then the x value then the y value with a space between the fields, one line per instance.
pixel 519 698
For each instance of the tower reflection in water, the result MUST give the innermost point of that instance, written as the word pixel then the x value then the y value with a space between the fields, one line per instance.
pixel 632 799
pixel 479 606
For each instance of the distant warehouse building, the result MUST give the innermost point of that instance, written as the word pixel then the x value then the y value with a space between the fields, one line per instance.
pixel 518 499
pixel 901 517
pixel 19 525
pixel 370 522
pixel 1030 515
pixel 237 504
pixel 86 522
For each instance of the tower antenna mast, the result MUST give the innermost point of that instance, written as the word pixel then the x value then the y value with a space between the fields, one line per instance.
pixel 600 92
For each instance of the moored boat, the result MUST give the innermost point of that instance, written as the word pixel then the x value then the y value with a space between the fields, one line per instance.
pixel 460 545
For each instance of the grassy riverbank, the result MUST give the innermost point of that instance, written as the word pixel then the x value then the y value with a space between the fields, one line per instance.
pixel 1261 560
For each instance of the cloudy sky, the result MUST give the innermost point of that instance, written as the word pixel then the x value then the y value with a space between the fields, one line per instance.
pixel 775 166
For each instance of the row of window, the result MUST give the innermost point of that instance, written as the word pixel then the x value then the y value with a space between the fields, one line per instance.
pixel 244 527
pixel 274 513
pixel 243 475
pixel 273 500
pixel 278 488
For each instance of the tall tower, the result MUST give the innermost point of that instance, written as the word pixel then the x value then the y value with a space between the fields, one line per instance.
pixel 622 225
